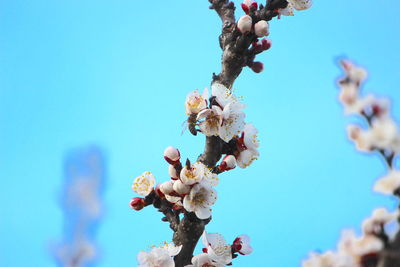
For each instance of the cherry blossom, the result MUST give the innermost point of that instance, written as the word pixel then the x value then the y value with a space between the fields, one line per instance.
pixel 204 260
pixel 217 248
pixel 233 121
pixel 199 200
pixel 193 174
pixel 242 245
pixel 301 4
pixel 195 102
pixel 181 188
pixel 159 256
pixel 144 184
pixel 247 157
pixel 212 120
pixel 223 95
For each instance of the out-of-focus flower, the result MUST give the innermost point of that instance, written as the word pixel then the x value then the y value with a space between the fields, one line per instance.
pixel 195 102
pixel 261 28
pixel 144 184
pixel 388 184
pixel 245 24
pixel 199 200
pixel 379 218
pixel 355 74
pixel 217 248
pixel 172 155
pixel 159 256
pixel 242 245
pixel 212 120
pixel 193 174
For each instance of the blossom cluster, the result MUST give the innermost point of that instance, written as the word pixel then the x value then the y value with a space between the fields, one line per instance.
pixel 221 115
pixel 382 133
pixel 382 136
pixel 353 251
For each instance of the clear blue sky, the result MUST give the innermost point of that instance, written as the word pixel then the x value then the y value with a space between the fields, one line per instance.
pixel 116 73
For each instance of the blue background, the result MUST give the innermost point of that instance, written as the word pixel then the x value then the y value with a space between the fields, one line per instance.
pixel 116 73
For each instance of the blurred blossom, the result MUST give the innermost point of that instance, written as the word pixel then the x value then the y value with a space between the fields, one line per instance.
pixel 84 176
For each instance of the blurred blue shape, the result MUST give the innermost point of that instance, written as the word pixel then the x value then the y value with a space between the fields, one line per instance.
pixel 81 202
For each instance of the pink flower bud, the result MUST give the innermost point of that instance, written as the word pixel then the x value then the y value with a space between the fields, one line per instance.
pixel 137 203
pixel 172 155
pixel 245 23
pixel 261 28
pixel 245 8
pixel 266 43
pixel 257 67
pixel 228 163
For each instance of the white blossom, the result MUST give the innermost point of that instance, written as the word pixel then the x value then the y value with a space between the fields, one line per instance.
pixel 181 188
pixel 301 4
pixel 250 136
pixel 242 245
pixel 199 200
pixel 246 158
pixel 223 95
pixel 210 177
pixel 388 184
pixel 159 256
pixel 144 184
pixel 261 28
pixel 195 102
pixel 361 138
pixel 212 120
pixel 233 121
pixel 245 23
pixel 355 73
pixel 380 217
pixel 192 175
pixel 217 248
pixel 204 260
pixel 287 11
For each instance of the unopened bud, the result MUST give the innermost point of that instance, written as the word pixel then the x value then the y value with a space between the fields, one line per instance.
pixel 257 67
pixel 137 203
pixel 228 163
pixel 261 28
pixel 173 173
pixel 181 188
pixel 172 155
pixel 266 43
pixel 245 23
pixel 167 187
